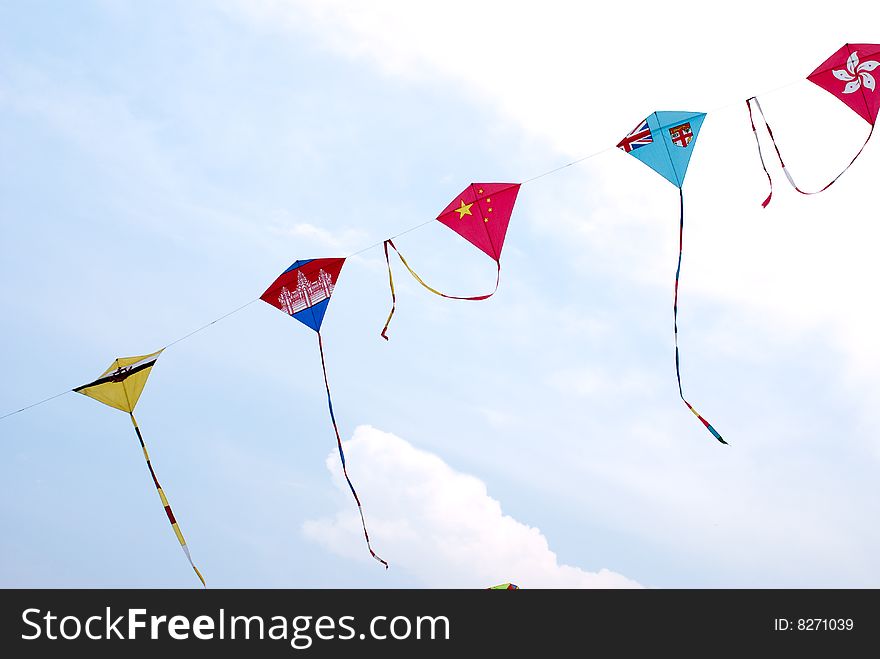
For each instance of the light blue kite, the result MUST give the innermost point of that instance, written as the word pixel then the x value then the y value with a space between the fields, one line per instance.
pixel 664 142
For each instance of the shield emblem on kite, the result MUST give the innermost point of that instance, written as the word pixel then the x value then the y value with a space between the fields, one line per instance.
pixel 681 135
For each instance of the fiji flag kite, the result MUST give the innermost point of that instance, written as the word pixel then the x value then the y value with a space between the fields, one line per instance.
pixel 303 292
pixel 849 75
pixel 664 142
pixel 120 386
pixel 480 215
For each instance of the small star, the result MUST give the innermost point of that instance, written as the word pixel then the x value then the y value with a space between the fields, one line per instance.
pixel 464 210
pixel 480 191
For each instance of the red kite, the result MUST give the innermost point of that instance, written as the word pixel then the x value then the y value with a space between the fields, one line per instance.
pixel 480 215
pixel 848 75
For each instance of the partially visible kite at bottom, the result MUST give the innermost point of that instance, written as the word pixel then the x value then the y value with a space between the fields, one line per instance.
pixel 120 387
pixel 664 142
pixel 847 75
pixel 504 586
pixel 480 215
pixel 303 292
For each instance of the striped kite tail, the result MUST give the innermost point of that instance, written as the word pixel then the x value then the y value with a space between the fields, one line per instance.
pixel 708 425
pixel 167 506
pixel 415 275
pixel 782 163
pixel 342 457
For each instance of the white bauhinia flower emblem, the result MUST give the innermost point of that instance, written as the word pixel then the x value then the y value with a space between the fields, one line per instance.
pixel 855 75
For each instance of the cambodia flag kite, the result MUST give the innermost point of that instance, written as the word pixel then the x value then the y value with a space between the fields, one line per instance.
pixel 303 292
pixel 664 142
pixel 480 215
pixel 849 74
pixel 120 387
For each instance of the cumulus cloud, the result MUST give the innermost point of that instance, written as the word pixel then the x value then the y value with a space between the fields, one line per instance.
pixel 440 525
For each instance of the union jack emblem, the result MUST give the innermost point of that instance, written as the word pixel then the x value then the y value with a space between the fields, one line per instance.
pixel 638 137
pixel 681 135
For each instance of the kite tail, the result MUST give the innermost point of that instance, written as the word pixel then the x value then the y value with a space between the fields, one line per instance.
pixel 415 275
pixel 165 503
pixel 760 152
pixel 342 456
pixel 785 169
pixel 675 324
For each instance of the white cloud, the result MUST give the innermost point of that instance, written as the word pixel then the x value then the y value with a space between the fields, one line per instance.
pixel 438 524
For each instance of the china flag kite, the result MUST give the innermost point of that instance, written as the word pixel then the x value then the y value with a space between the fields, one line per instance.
pixel 849 75
pixel 664 142
pixel 303 292
pixel 480 215
pixel 120 387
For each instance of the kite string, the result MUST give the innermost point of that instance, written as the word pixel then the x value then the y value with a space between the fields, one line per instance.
pixel 401 233
pixel 207 325
pixel 27 407
pixel 570 164
pixel 168 345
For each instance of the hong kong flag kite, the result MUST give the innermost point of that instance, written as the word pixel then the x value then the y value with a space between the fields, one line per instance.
pixel 303 292
pixel 664 142
pixel 480 215
pixel 849 74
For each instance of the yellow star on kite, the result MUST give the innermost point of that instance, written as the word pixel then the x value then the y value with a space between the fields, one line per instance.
pixel 464 210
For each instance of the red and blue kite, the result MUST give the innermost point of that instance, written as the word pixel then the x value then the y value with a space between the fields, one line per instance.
pixel 303 292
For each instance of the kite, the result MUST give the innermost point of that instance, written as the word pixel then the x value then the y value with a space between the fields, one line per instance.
pixel 303 292
pixel 664 142
pixel 504 586
pixel 847 74
pixel 480 215
pixel 120 387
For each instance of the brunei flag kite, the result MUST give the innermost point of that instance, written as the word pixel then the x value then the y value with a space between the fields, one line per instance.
pixel 303 292
pixel 480 215
pixel 664 142
pixel 849 75
pixel 120 386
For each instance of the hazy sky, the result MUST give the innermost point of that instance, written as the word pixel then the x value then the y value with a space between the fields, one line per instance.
pixel 164 162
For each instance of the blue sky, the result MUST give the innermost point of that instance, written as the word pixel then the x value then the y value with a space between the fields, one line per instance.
pixel 164 163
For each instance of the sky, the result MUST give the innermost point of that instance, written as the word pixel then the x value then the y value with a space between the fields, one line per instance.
pixel 164 162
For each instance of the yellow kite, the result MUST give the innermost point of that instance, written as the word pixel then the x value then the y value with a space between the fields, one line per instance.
pixel 120 386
